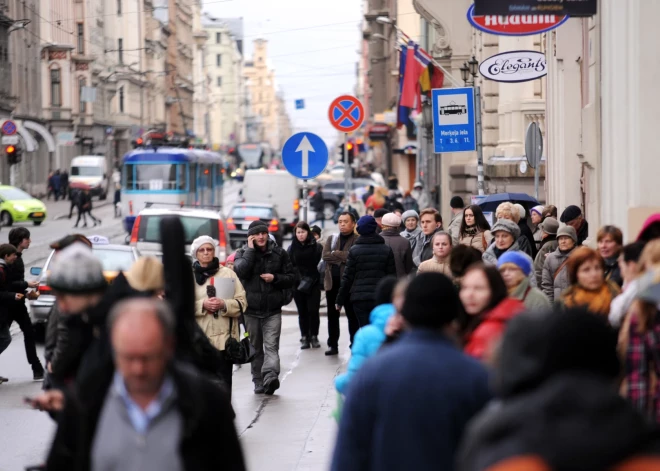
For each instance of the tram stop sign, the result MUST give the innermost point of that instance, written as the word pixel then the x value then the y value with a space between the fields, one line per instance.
pixel 305 155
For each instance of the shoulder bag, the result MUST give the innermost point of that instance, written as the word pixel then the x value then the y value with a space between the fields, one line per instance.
pixel 239 351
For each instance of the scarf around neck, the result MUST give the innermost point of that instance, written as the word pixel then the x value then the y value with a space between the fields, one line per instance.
pixel 597 302
pixel 204 273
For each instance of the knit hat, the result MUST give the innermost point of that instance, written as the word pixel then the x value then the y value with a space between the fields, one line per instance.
pixel 411 213
pixel 521 210
pixel 431 301
pixel 379 213
pixel 538 209
pixel 231 258
pixel 201 240
pixel 550 226
pixel 570 213
pixel 391 220
pixel 146 274
pixel 418 184
pixel 76 270
pixel 457 203
pixel 567 231
pixel 366 225
pixel 518 259
pixel 257 227
pixel 506 226
pixel 316 230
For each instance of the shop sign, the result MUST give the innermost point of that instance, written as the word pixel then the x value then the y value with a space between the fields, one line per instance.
pixel 536 7
pixel 515 25
pixel 379 132
pixel 514 66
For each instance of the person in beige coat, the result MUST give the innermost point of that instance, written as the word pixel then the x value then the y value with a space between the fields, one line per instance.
pixel 474 230
pixel 439 263
pixel 215 315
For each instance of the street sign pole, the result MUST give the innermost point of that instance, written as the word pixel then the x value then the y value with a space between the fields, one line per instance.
pixel 480 145
pixel 536 183
pixel 347 168
pixel 534 152
pixel 305 200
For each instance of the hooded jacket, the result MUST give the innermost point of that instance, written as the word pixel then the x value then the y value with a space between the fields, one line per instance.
pixel 366 343
pixel 369 260
pixel 265 299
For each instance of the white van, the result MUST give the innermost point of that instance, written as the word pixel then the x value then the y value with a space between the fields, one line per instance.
pixel 277 187
pixel 90 170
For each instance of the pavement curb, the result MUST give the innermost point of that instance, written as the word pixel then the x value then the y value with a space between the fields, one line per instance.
pixel 101 204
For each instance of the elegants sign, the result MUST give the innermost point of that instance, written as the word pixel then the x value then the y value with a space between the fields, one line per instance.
pixel 514 66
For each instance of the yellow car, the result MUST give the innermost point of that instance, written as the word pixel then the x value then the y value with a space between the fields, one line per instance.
pixel 18 206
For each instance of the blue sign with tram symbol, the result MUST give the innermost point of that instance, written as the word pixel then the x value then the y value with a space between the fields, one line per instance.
pixel 305 155
pixel 453 120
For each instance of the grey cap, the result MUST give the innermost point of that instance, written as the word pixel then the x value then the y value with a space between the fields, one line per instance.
pixel 506 226
pixel 76 270
pixel 567 231
pixel 550 226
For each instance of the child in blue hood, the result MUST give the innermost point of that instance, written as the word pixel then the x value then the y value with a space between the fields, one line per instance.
pixel 370 337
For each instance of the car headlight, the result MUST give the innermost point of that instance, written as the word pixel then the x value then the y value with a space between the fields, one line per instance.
pixel 19 207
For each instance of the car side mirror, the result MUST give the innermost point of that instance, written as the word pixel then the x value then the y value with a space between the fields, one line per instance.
pixel 36 271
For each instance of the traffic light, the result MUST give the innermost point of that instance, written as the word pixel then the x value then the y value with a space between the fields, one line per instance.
pixel 13 155
pixel 350 147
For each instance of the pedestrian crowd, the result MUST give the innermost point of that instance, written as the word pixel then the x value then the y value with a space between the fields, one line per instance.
pixel 474 346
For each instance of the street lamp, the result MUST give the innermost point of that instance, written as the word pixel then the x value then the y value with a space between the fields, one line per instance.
pixel 469 76
pixel 427 118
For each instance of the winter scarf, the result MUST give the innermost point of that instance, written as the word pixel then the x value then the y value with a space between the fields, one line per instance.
pixel 204 273
pixel 470 231
pixel 597 302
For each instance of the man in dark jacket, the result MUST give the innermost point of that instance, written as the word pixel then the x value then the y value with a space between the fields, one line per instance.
pixel 572 216
pixel 369 260
pixel 8 297
pixel 550 362
pixel 399 245
pixel 187 418
pixel 393 418
pixel 267 275
pixel 75 203
pixel 335 254
pixel 19 237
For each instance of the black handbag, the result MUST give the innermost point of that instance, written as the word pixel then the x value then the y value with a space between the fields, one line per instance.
pixel 305 285
pixel 241 351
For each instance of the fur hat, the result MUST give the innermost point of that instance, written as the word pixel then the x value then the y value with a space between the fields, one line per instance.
pixel 391 220
pixel 201 240
pixel 76 270
pixel 521 210
pixel 146 274
pixel 506 226
pixel 567 231
pixel 411 213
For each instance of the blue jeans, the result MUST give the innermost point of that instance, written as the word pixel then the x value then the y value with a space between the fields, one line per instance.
pixel 265 337
pixel 5 338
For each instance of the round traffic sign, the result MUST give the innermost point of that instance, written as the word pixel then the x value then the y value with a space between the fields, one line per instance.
pixel 9 128
pixel 305 155
pixel 346 113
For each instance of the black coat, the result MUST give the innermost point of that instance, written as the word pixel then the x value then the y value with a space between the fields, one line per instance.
pixel 402 252
pixel 369 260
pixel 265 299
pixel 583 232
pixel 527 233
pixel 7 296
pixel 305 258
pixel 204 408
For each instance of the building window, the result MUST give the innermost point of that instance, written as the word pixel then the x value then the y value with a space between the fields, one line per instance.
pixel 218 60
pixel 218 38
pixel 120 50
pixel 55 87
pixel 81 87
pixel 81 38
pixel 219 81
pixel 121 99
pixel 118 7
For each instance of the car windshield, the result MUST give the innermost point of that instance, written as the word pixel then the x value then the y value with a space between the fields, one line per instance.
pixel 13 194
pixel 193 227
pixel 245 212
pixel 86 171
pixel 114 260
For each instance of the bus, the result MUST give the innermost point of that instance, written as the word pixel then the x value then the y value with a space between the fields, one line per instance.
pixel 170 176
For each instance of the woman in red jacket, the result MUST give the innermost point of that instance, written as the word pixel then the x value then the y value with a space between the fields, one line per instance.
pixel 488 309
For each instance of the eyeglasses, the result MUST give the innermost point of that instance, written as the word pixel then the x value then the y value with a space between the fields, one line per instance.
pixel 206 250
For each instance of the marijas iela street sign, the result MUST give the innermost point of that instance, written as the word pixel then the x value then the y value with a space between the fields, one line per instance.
pixel 514 66
pixel 515 25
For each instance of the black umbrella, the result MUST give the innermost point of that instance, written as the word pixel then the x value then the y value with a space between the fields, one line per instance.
pixel 491 202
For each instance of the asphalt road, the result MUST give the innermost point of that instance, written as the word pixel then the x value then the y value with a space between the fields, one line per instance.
pixel 292 430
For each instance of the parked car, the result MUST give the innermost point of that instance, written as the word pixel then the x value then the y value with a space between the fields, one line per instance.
pixel 18 206
pixel 113 257
pixel 242 215
pixel 196 222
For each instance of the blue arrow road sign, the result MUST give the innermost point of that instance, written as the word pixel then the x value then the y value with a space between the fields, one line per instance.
pixel 305 155
pixel 453 120
pixel 300 104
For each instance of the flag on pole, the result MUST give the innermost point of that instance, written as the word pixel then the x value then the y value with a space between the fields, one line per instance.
pixel 417 59
pixel 403 113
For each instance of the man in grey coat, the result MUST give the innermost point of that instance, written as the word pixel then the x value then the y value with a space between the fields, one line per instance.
pixel 457 207
pixel 555 275
pixel 548 245
pixel 399 245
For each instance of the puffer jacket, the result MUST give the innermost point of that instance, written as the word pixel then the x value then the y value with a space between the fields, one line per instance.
pixel 217 330
pixel 548 245
pixel 369 260
pixel 402 252
pixel 366 343
pixel 265 299
pixel 553 285
pixel 305 258
pixel 490 258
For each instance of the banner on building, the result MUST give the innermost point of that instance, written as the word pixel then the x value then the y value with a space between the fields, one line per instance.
pixel 535 7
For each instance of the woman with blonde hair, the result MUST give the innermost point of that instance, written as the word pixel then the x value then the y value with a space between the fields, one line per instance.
pixel 441 243
pixel 509 211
